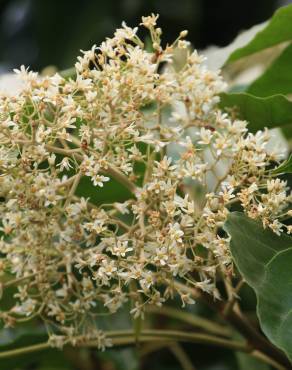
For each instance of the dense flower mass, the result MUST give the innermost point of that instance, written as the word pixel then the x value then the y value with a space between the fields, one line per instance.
pixel 115 184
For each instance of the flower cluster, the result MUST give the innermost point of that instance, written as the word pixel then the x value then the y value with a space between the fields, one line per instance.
pixel 115 184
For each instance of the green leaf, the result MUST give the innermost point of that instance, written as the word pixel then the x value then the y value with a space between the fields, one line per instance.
pixel 112 191
pixel 273 111
pixel 264 259
pixel 285 167
pixel 287 132
pixel 277 31
pixel 277 79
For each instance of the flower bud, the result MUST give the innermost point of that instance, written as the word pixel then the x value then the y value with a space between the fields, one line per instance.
pixel 183 33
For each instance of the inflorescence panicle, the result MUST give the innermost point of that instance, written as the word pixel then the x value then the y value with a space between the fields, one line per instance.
pixel 131 118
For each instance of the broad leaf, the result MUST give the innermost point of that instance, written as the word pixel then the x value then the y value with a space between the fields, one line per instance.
pixel 217 56
pixel 273 111
pixel 287 132
pixel 264 259
pixel 277 79
pixel 285 167
pixel 277 31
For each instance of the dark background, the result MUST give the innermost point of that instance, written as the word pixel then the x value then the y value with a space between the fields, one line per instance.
pixel 39 33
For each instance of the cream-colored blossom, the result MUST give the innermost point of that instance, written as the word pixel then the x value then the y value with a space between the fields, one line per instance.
pixel 111 180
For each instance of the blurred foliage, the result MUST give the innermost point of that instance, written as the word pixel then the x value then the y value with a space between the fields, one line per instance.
pixel 272 111
pixel 41 33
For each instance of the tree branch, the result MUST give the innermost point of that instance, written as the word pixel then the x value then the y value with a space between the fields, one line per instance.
pixel 241 324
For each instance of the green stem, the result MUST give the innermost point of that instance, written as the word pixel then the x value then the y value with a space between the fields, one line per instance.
pixel 9 283
pixel 176 335
pixel 121 178
pixel 24 350
pixel 111 171
pixel 128 337
pixel 175 348
pixel 181 356
pixel 73 188
pixel 233 300
pixel 263 358
pixel 191 319
pixel 75 153
pixel 241 324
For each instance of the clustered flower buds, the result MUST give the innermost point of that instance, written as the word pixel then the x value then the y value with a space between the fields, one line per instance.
pixel 115 185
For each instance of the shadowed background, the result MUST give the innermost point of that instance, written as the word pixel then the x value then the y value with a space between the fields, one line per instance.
pixel 51 32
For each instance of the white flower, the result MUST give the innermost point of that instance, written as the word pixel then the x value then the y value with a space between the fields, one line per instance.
pixel 98 180
pixel 126 32
pixel 164 143
pixel 26 308
pixel 65 164
pixel 277 227
pixel 206 136
pixel 175 232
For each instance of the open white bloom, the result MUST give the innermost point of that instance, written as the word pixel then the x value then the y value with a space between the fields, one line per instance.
pixel 94 203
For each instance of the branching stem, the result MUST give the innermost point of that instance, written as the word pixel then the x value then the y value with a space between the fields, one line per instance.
pixel 241 324
pixel 128 337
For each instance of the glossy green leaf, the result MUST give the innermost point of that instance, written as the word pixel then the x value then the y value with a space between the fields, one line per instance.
pixel 264 259
pixel 273 111
pixel 287 132
pixel 278 30
pixel 285 167
pixel 277 79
